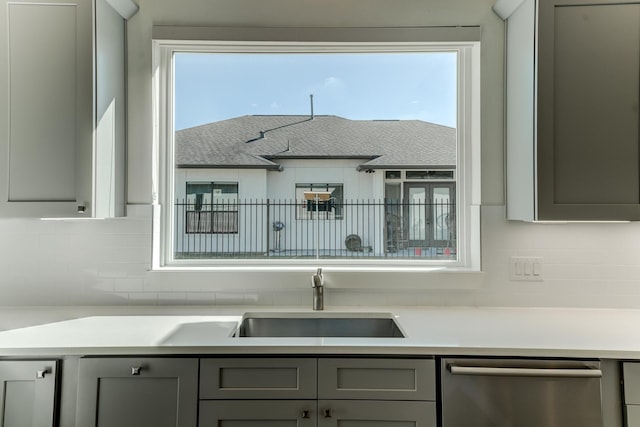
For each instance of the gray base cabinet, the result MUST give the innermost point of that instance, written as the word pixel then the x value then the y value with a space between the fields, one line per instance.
pixel 28 393
pixel 376 392
pixel 137 392
pixel 631 375
pixel 256 392
pixel 324 392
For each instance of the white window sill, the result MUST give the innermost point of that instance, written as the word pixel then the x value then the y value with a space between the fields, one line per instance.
pixel 278 278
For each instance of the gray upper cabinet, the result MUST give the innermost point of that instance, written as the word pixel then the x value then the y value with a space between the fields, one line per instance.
pixel 62 107
pixel 28 393
pixel 573 69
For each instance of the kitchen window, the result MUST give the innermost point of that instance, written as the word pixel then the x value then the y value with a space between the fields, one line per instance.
pixel 265 155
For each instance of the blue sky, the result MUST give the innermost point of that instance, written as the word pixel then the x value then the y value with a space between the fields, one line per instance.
pixel 213 87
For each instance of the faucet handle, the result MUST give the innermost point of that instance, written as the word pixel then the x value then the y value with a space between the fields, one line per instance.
pixel 317 279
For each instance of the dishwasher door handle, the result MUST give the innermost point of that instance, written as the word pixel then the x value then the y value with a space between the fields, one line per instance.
pixel 526 372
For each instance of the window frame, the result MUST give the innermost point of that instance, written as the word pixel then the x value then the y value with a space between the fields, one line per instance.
pixel 464 40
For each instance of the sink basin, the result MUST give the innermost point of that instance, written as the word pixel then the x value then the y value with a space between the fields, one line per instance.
pixel 360 325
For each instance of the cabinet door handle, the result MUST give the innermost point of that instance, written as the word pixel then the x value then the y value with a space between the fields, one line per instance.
pixel 306 414
pixel 135 370
pixel 328 413
pixel 41 373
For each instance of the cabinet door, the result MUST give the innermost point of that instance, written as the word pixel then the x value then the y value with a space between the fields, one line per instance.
pixel 137 392
pixel 588 110
pixel 631 375
pixel 45 106
pixel 358 413
pixel 28 393
pixel 258 413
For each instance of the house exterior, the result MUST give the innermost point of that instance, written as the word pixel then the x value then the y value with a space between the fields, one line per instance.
pixel 254 186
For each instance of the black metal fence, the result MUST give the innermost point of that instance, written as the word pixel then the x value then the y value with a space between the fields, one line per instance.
pixel 257 229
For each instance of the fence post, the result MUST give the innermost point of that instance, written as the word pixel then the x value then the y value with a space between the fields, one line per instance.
pixel 268 231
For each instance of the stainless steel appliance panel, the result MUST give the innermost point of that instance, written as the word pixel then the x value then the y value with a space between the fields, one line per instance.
pixel 521 393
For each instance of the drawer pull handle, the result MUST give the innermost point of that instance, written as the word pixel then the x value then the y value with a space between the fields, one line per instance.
pixel 135 370
pixel 327 413
pixel 306 414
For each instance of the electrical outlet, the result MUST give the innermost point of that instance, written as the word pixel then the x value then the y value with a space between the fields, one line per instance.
pixel 529 269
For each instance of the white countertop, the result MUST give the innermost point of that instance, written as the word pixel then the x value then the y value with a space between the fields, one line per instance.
pixel 539 332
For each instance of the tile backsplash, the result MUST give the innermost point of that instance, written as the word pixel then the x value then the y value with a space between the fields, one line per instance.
pixel 107 262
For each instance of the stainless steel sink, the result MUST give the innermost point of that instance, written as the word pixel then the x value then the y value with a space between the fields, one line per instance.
pixel 358 325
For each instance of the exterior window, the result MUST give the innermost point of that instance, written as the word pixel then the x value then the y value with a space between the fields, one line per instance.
pixel 306 150
pixel 432 174
pixel 211 208
pixel 393 174
pixel 321 201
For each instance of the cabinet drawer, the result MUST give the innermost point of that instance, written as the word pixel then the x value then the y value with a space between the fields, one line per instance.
pixel 383 379
pixel 280 378
pixel 340 413
pixel 631 375
pixel 258 413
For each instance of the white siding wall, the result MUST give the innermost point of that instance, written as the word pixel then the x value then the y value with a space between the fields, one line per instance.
pixel 356 186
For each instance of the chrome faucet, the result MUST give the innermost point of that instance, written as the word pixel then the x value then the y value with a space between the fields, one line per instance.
pixel 317 284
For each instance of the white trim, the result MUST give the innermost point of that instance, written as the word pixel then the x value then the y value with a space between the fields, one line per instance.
pixel 468 183
pixel 270 35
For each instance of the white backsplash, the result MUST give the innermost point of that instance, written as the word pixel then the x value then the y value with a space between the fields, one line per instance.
pixel 107 262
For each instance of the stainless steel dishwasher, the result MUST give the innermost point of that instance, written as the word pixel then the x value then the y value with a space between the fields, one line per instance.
pixel 520 393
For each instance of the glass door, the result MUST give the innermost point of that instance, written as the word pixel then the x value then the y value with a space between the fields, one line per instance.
pixel 430 214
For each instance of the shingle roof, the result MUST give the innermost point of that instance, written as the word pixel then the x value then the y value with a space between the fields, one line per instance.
pixel 259 141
